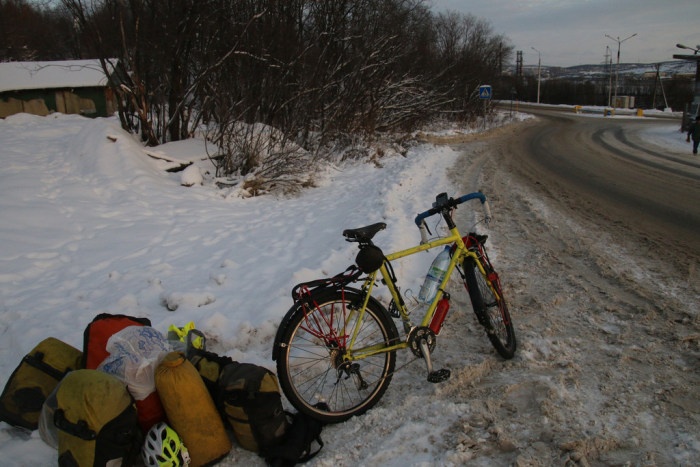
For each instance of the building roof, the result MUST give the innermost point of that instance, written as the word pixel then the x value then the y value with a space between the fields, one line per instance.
pixel 17 76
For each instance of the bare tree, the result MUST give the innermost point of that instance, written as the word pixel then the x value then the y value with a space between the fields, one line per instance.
pixel 312 70
pixel 34 31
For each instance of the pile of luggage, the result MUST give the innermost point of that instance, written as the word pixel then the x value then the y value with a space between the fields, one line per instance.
pixel 134 396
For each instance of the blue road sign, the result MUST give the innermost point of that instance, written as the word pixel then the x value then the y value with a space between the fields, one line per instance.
pixel 485 91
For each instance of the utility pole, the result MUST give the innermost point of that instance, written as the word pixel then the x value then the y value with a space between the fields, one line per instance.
pixel 657 79
pixel 617 67
pixel 608 63
pixel 539 64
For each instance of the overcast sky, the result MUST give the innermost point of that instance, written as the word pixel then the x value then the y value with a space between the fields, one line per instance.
pixel 572 32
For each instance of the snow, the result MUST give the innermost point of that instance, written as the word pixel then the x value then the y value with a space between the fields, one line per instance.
pixel 55 74
pixel 91 224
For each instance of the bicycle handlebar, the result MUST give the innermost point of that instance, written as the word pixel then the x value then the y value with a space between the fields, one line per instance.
pixel 442 203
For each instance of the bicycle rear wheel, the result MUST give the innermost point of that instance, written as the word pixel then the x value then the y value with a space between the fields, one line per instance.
pixel 491 311
pixel 311 367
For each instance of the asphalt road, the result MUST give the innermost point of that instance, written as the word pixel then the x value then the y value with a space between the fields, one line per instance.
pixel 603 170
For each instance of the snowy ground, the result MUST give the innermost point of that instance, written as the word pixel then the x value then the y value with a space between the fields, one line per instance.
pixel 92 225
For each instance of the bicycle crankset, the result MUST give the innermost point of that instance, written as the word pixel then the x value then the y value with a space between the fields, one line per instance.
pixel 421 333
pixel 422 342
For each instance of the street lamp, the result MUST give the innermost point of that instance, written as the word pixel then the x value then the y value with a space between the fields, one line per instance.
pixel 539 64
pixel 617 67
pixel 695 49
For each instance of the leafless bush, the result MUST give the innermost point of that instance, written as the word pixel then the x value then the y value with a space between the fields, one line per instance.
pixel 313 70
pixel 265 158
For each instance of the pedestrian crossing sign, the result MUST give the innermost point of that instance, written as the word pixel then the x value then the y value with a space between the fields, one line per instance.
pixel 485 91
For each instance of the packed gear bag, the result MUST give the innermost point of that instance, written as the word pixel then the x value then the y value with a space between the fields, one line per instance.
pixel 301 442
pixel 96 421
pixel 134 354
pixel 252 404
pixel 209 365
pixel 190 410
pixel 98 332
pixel 35 377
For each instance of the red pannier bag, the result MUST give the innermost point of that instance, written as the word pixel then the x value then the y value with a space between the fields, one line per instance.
pixel 98 332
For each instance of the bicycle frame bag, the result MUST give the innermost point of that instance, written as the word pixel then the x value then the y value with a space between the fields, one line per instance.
pixel 34 379
pixel 98 332
pixel 96 421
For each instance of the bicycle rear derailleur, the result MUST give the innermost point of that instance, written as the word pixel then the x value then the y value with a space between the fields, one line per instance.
pixel 422 342
pixel 347 370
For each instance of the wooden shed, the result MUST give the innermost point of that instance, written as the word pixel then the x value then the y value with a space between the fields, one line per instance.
pixel 41 88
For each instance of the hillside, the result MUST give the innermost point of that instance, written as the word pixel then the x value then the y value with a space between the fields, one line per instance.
pixel 668 69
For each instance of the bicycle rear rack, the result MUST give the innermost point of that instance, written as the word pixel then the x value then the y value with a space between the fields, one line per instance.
pixel 305 289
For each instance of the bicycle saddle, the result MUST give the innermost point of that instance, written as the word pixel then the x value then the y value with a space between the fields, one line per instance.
pixel 363 234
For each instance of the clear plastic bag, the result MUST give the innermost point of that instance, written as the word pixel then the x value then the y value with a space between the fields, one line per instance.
pixel 134 354
pixel 47 429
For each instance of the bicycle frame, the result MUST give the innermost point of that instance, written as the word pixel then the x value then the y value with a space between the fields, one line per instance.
pixel 461 252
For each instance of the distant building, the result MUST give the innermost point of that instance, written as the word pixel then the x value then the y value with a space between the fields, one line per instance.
pixel 41 88
pixel 652 75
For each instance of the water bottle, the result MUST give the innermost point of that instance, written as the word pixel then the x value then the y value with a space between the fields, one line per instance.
pixel 435 275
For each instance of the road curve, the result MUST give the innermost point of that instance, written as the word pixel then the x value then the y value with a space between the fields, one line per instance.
pixel 602 168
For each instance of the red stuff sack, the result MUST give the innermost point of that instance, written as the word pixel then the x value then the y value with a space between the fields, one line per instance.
pixel 98 332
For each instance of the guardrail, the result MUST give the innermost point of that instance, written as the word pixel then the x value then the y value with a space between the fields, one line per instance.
pixel 583 109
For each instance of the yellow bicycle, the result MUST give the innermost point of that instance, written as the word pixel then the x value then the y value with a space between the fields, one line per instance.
pixel 336 347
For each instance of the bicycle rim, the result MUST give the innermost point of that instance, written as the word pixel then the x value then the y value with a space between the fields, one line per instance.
pixel 311 369
pixel 491 311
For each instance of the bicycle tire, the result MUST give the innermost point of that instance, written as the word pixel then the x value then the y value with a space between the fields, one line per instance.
pixel 310 368
pixel 491 312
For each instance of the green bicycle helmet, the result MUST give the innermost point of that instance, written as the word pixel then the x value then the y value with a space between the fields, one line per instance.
pixel 163 448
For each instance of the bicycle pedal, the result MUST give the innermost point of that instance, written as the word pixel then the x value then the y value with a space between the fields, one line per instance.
pixel 438 376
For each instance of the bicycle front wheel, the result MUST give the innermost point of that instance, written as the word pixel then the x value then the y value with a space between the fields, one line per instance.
pixel 491 311
pixel 312 369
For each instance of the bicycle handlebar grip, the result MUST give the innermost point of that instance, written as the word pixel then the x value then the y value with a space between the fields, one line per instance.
pixel 476 195
pixel 487 212
pixel 421 217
